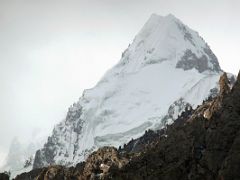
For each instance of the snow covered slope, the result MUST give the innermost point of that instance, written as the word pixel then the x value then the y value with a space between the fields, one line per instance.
pixel 167 67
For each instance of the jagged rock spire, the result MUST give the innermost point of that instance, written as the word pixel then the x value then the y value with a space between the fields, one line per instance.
pixel 224 84
pixel 236 93
pixel 236 86
pixel 216 104
pixel 238 77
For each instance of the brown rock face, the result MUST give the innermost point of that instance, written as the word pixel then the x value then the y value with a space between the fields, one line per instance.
pixel 53 173
pixel 100 162
pixel 215 105
pixel 224 84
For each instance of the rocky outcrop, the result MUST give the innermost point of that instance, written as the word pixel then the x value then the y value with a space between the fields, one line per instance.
pixel 4 176
pixel 29 175
pixel 99 163
pixel 55 172
pixel 97 166
pixel 190 60
pixel 215 105
pixel 224 85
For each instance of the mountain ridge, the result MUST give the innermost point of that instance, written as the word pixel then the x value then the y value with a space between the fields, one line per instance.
pixel 195 146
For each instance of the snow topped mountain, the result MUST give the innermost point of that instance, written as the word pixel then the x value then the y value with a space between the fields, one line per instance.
pixel 167 67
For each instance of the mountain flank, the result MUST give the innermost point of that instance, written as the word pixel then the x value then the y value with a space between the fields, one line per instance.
pixel 195 147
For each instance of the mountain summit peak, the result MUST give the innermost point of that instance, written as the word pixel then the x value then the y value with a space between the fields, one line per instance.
pixel 166 38
pixel 155 16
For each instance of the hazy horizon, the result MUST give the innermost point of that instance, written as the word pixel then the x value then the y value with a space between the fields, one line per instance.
pixel 51 51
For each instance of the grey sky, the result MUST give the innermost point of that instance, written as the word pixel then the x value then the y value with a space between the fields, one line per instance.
pixel 50 50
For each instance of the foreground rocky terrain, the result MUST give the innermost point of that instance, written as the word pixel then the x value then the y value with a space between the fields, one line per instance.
pixel 201 144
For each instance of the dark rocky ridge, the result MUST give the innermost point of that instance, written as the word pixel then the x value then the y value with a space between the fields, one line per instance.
pixel 4 176
pixel 201 144
pixel 48 152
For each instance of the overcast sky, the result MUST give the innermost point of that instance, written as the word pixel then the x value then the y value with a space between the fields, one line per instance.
pixel 50 50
